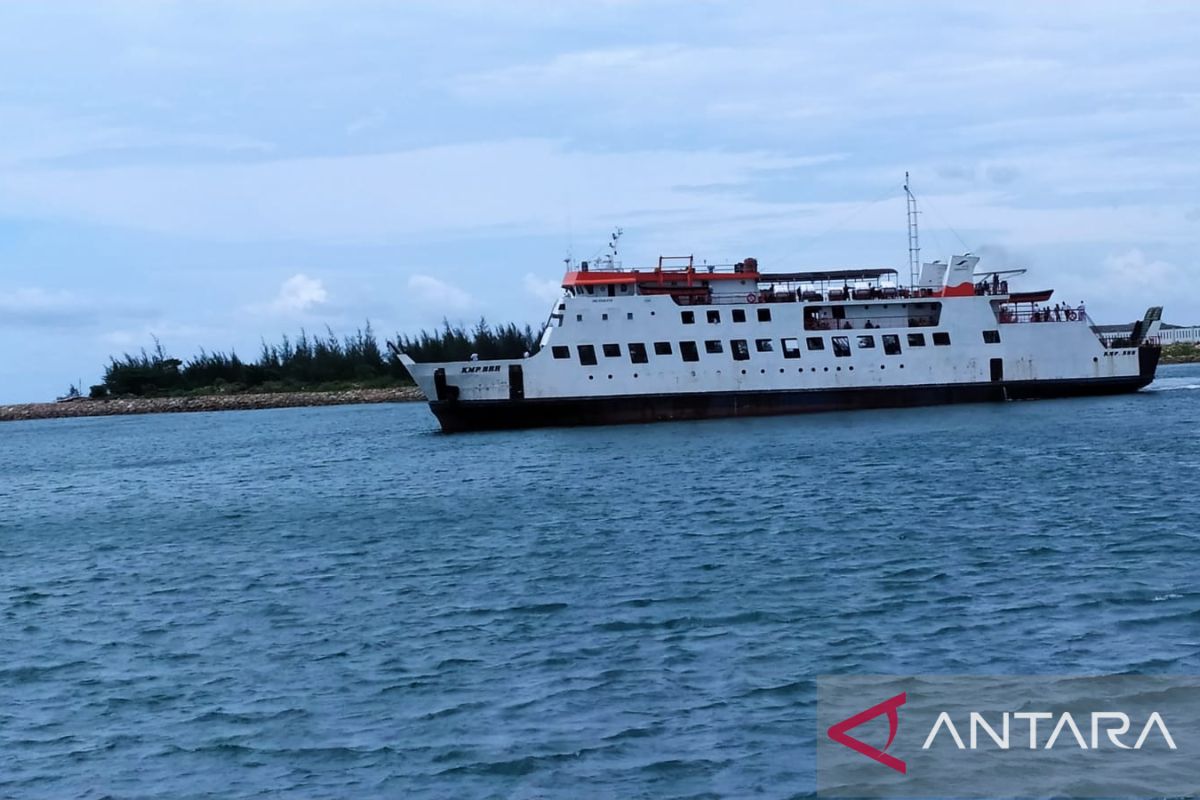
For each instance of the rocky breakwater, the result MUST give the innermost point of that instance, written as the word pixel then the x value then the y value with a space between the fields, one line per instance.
pixel 216 402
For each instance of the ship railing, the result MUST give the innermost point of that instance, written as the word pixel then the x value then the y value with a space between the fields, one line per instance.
pixel 1011 316
pixel 792 296
pixel 876 322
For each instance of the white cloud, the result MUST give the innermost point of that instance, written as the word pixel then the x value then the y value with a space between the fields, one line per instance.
pixel 298 294
pixel 1134 271
pixel 542 288
pixel 439 294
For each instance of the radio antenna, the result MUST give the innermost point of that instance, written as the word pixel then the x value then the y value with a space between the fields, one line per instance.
pixel 914 242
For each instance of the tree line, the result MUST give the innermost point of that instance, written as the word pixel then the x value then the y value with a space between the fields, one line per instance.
pixel 308 362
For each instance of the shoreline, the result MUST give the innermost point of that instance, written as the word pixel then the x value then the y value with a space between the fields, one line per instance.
pixel 216 402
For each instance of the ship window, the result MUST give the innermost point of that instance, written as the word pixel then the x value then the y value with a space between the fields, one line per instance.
pixel 991 337
pixel 561 351
pixel 841 346
pixel 764 315
pixel 739 348
pixel 816 343
pixel 916 340
pixel 579 317
pixel 687 350
pixel 687 317
pixel 587 355
pixel 714 316
pixel 612 351
pixel 763 346
pixel 629 315
pixel 662 348
pixel 637 353
pixel 866 342
pixel 791 348
pixel 713 346
pixel 941 338
pixel 739 315
pixel 891 344
pixel 603 317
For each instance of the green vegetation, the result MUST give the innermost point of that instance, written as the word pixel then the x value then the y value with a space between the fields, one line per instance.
pixel 308 363
pixel 1181 353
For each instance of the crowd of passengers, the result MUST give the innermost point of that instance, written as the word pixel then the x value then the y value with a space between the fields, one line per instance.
pixel 1059 313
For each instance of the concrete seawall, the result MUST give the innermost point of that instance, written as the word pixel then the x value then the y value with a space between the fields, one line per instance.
pixel 220 402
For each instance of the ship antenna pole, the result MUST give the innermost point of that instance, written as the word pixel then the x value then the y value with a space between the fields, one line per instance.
pixel 914 242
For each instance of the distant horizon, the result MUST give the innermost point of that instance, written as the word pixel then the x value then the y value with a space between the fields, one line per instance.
pixel 221 173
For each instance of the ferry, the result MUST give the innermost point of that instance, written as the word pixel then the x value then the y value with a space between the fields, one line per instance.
pixel 686 341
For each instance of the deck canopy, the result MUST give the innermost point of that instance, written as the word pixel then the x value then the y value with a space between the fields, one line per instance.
pixel 822 276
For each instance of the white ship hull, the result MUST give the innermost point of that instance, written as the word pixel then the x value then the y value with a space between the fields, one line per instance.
pixel 754 358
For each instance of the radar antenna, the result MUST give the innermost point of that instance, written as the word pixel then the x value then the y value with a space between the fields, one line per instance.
pixel 914 243
pixel 613 244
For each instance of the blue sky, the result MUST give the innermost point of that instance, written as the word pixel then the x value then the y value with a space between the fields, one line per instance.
pixel 216 173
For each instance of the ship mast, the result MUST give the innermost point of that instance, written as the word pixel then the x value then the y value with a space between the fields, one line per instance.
pixel 914 243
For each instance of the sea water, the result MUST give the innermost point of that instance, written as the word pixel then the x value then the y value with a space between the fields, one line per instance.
pixel 343 602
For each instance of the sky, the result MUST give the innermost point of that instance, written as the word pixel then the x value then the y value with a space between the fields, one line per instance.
pixel 214 174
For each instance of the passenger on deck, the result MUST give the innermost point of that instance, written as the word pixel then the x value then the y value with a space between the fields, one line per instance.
pixel 868 325
pixel 1057 312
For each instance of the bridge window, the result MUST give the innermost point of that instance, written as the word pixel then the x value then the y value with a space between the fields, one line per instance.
pixel 866 342
pixel 764 315
pixel 916 340
pixel 764 346
pixel 662 348
pixel 941 338
pixel 739 315
pixel 587 355
pixel 637 353
pixel 841 346
pixel 891 344
pixel 791 348
pixel 612 351
pixel 991 337
pixel 561 351
pixel 714 316
pixel 815 343
pixel 714 346
pixel 740 350
pixel 687 317
pixel 687 350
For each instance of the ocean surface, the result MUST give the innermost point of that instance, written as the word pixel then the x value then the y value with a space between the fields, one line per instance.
pixel 345 603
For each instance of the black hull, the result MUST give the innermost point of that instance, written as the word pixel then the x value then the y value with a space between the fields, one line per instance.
pixel 456 416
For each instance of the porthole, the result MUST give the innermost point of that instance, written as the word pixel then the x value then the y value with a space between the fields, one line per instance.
pixel 610 377
pixel 901 366
pixel 591 377
pixel 883 366
pixel 743 372
pixel 851 369
pixel 781 370
pixel 827 369
pixel 635 374
pixel 1095 360
pixel 839 369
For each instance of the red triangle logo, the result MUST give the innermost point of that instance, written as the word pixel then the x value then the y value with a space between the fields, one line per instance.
pixel 838 732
